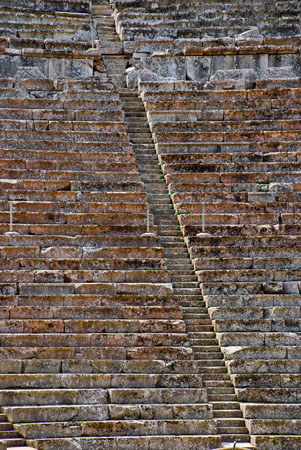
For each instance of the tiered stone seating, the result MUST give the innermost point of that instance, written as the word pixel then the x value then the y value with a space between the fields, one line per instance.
pixel 238 151
pixel 194 19
pixel 80 6
pixel 94 350
pixel 57 42
pixel 17 22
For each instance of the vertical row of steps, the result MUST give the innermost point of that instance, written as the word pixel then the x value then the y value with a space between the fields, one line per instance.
pixel 221 394
pixel 109 42
pixel 8 435
pixel 115 65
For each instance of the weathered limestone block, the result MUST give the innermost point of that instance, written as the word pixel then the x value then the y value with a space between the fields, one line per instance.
pixel 254 352
pixel 197 68
pixel 249 37
pixel 132 78
pixel 272 288
pixel 274 426
pixel 158 395
pixel 269 395
pixel 264 366
pixel 279 73
pixel 277 442
pixel 291 287
pixel 281 411
pixel 60 413
pixel 232 79
pixel 240 338
pixel 167 66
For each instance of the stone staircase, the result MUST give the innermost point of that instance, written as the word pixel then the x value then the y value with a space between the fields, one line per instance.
pixel 9 435
pixel 226 410
pixel 221 394
pixel 100 346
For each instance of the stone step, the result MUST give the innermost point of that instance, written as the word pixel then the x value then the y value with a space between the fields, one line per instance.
pixel 225 423
pixel 164 442
pixel 186 285
pixel 129 113
pixel 166 222
pixel 211 364
pixel 197 322
pixel 65 353
pixel 199 316
pixel 185 291
pixel 142 140
pixel 211 369
pixel 141 130
pixel 185 303
pixel 209 348
pixel 201 335
pixel 118 428
pixel 23 397
pixel 183 278
pixel 225 405
pixel 220 390
pixel 230 414
pixel 199 309
pixel 131 107
pixel 182 264
pixel 5 426
pixel 17 443
pixel 52 413
pixel 203 342
pixel 171 233
pixel 216 378
pixel 221 397
pixel 162 210
pixel 9 434
pixel 96 380
pixel 208 356
pixel 170 241
pixel 95 365
pixel 232 437
pixel 127 94
pixel 197 304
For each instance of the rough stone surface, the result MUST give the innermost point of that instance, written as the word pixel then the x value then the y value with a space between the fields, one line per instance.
pixel 95 350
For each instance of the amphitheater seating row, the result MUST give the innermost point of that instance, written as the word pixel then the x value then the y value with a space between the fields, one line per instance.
pixel 78 6
pixel 142 19
pixel 239 152
pixel 20 24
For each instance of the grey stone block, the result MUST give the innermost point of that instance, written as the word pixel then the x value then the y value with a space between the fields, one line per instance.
pixel 252 36
pixel 198 68
pixel 291 287
pixel 29 73
pixel 234 75
pixel 279 73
